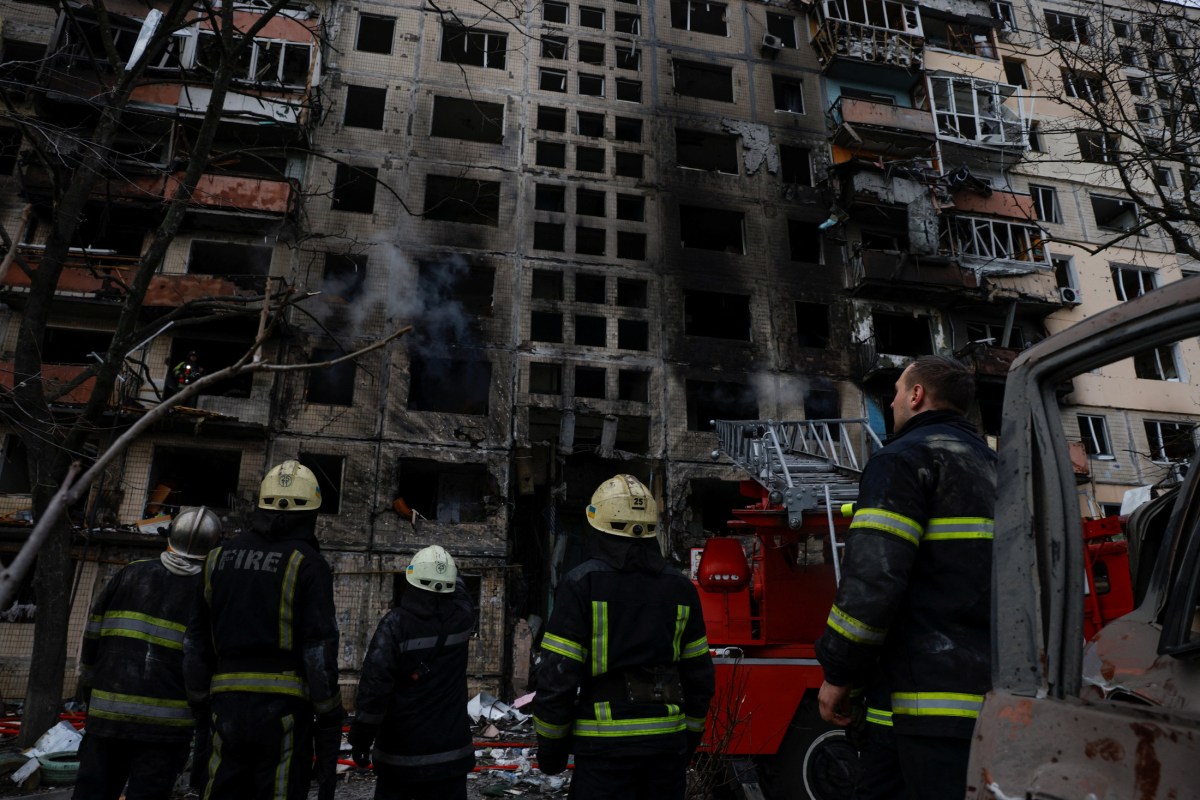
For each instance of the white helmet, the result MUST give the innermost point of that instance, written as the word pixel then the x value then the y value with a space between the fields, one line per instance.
pixel 194 531
pixel 433 570
pixel 290 486
pixel 623 506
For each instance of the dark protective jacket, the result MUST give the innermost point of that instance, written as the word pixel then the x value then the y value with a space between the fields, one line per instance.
pixel 617 616
pixel 916 577
pixel 132 656
pixel 266 623
pixel 414 686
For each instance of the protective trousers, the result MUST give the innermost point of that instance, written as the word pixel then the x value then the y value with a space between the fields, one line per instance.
pixel 935 767
pixel 262 747
pixel 650 777
pixel 392 785
pixel 107 765
pixel 879 776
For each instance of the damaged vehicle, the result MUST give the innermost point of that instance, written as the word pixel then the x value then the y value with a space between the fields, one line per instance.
pixel 1119 716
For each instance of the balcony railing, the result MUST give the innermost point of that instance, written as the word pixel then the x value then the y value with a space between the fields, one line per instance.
pixel 866 125
pixel 856 41
pixel 892 268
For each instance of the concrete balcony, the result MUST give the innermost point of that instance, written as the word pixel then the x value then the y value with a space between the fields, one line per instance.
pixel 902 275
pixel 988 361
pixel 55 377
pixel 999 204
pixel 866 126
pixel 845 47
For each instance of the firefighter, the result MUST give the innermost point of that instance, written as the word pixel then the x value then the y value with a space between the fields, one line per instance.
pixel 411 699
pixel 186 371
pixel 139 726
pixel 261 649
pixel 915 595
pixel 627 636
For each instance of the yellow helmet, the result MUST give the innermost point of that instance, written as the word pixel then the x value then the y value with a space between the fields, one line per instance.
pixel 623 506
pixel 290 486
pixel 433 570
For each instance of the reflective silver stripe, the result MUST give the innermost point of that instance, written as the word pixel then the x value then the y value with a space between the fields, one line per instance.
pixel 853 629
pixel 382 757
pixel 945 528
pixel 879 716
pixel 92 629
pixel 564 647
pixel 549 729
pixel 695 724
pixel 695 649
pixel 141 626
pixel 889 522
pixel 604 711
pixel 803 662
pixel 936 704
pixel 629 727
pixel 429 642
pixel 265 682
pixel 132 708
pixel 286 747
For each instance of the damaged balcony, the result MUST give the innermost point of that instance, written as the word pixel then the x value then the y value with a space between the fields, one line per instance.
pixel 972 114
pixel 862 125
pixel 902 275
pixel 895 338
pixel 67 352
pixel 849 34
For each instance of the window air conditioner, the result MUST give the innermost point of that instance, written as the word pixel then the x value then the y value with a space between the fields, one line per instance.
pixel 771 45
pixel 1069 295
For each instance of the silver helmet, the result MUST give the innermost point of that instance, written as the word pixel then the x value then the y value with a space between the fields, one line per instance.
pixel 194 531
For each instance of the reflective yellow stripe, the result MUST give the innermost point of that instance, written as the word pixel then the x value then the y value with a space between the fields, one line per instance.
pixel 937 704
pixel 142 710
pixel 599 637
pixel 287 600
pixel 261 682
pixel 645 726
pixel 681 619
pixel 879 519
pixel 947 528
pixel 133 625
pixel 694 724
pixel 549 729
pixel 853 629
pixel 287 746
pixel 695 649
pixel 564 647
pixel 879 716
pixel 604 710
pixel 214 763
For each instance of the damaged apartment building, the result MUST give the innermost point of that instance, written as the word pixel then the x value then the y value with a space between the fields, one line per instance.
pixel 608 223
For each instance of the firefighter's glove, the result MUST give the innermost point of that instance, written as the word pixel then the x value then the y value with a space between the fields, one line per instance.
pixel 362 736
pixel 552 754
pixel 327 744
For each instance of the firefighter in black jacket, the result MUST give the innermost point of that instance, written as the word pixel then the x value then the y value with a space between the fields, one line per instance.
pixel 261 649
pixel 915 596
pixel 411 700
pixel 624 675
pixel 139 725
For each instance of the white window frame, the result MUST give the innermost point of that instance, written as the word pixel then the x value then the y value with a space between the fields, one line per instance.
pixel 687 22
pixel 996 239
pixel 1145 280
pixel 1080 30
pixel 1045 203
pixel 948 93
pixel 252 69
pixel 1155 441
pixel 1083 86
pixel 897 16
pixel 1096 422
pixel 1164 364
pixel 1005 13
pixel 545 72
pixel 594 10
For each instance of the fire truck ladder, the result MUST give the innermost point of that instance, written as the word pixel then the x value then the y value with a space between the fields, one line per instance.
pixel 803 465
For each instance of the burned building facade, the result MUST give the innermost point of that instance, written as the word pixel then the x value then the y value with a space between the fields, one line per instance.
pixel 608 223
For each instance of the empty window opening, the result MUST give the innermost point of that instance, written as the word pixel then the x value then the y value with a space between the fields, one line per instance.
pixel 590 17
pixel 628 165
pixel 443 492
pixel 545 378
pixel 375 34
pixel 1170 441
pixel 588 124
pixel 589 159
pixel 712 400
pixel 1067 27
pixel 1045 203
pixel 549 198
pixel 454 199
pixel 551 154
pixel 1114 213
pixel 902 334
pixel 633 334
pixel 590 289
pixel 591 85
pixel 795 165
pixel 228 259
pixel 704 81
pixel 624 22
pixel 591 331
pixel 1064 271
pixel 712 229
pixel 546 285
pixel 450 288
pixel 710 501
pixel 812 324
pixel 631 245
pixel 354 189
pixel 591 53
pixel 1014 73
pixel 449 385
pixel 330 473
pixel 783 28
pixel 549 236
pixel 633 385
pixel 630 59
pixel 628 129
pixel 631 207
pixel 552 80
pixel 555 12
pixel 699 16
pixel 365 106
pixel 192 476
pixel 718 315
pixel 707 151
pixel 633 434
pixel 1093 432
pixel 545 326
pixel 590 241
pixel 789 94
pixel 629 91
pixel 804 241
pixel 332 386
pixel 632 293
pixel 554 47
pixel 473 120
pixel 589 202
pixel 1157 364
pixel 550 118
pixel 473 47
pixel 216 346
pixel 1131 283
pixel 344 276
pixel 590 382
pixel 14 467
pixel 823 403
pixel 74 346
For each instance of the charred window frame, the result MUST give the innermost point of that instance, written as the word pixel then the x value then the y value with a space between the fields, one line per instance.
pixel 1093 432
pixel 551 118
pixel 467 119
pixel 330 472
pixel 230 259
pixel 550 197
pixel 554 47
pixel 783 28
pixel 590 241
pixel 591 53
pixel 446 492
pixel 628 91
pixel 375 34
pixel 551 154
pixel 558 13
pixel 631 207
pixel 549 236
pixel 716 315
pixel 812 324
pixel 628 129
pixel 706 151
pixel 333 385
pixel 589 159
pixel 546 326
pixel 703 81
pixel 804 242
pixel 365 107
pixel 192 476
pixel 354 189
pixel 902 334
pixel 589 124
pixel 452 198
pixel 590 202
pixel 591 17
pixel 545 378
pixel 473 47
pixel 699 16
pixel 712 400
pixel 591 382
pixel 344 276
pixel 795 165
pixel 716 229
pixel 460 384
pixel 631 245
pixel 632 293
pixel 633 385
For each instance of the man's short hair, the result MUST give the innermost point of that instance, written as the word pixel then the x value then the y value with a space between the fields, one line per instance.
pixel 947 381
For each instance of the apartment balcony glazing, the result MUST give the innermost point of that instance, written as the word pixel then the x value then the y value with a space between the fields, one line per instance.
pixel 848 34
pixel 868 126
pixel 972 114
